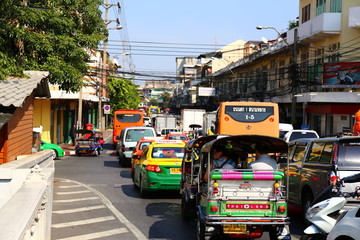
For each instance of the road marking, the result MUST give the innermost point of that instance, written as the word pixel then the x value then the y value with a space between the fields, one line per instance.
pixel 72 186
pixel 83 222
pixel 75 192
pixel 97 235
pixel 75 200
pixel 138 234
pixel 79 209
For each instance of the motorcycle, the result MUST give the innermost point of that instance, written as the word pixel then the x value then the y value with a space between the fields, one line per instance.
pixel 325 211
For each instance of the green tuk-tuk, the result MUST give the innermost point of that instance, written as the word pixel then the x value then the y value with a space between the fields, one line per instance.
pixel 241 202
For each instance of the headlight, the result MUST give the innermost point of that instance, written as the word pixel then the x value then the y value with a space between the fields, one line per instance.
pixel 313 211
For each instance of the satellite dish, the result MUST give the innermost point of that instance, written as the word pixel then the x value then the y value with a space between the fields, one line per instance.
pixel 264 40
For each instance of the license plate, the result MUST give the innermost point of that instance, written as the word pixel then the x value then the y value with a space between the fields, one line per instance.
pixel 175 170
pixel 234 228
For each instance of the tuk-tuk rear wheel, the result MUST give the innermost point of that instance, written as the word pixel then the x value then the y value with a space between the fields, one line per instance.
pixel 187 209
pixel 200 229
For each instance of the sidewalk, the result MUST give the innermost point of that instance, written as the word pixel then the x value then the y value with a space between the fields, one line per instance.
pixel 69 149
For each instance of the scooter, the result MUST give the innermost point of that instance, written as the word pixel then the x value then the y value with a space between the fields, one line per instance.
pixel 347 227
pixel 325 211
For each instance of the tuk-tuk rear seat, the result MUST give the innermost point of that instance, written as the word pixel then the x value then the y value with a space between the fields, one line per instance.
pixel 255 175
pixel 255 185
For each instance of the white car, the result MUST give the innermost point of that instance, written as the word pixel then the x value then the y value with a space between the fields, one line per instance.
pixel 284 128
pixel 127 141
pixel 299 133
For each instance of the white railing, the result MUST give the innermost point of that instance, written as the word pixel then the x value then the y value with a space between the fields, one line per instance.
pixel 26 193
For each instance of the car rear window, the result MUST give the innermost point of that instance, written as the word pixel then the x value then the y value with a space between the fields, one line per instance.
pixel 128 118
pixel 144 145
pixel 177 137
pixel 349 154
pixel 299 135
pixel 168 152
pixel 134 135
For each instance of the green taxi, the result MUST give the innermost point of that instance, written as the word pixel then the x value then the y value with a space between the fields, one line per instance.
pixel 158 167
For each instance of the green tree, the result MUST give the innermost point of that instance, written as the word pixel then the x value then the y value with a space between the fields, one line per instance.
pixel 154 102
pixel 49 35
pixel 293 24
pixel 123 94
pixel 166 97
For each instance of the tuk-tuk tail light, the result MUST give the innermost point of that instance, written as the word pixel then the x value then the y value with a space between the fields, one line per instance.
pixel 214 208
pixel 282 209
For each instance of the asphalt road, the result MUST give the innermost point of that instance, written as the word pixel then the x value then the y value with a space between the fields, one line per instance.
pixel 94 198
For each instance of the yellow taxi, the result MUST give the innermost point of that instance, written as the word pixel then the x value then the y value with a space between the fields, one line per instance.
pixel 158 167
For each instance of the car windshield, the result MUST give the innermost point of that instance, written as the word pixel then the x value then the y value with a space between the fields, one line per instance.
pixel 299 135
pixel 168 152
pixel 349 154
pixel 134 135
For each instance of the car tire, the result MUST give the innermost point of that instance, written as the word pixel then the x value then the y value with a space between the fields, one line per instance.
pixel 78 153
pixel 54 154
pixel 143 192
pixel 200 228
pixel 306 201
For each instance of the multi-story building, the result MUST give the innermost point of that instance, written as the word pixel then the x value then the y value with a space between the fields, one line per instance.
pixel 68 108
pixel 312 70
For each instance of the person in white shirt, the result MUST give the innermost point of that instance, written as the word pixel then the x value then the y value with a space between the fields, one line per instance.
pixel 263 161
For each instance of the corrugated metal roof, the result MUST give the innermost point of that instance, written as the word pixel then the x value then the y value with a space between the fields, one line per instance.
pixel 13 91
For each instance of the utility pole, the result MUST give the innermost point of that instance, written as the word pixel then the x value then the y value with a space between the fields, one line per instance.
pixel 294 79
pixel 102 82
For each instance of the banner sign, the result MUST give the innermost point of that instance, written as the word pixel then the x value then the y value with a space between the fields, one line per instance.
pixel 206 92
pixel 341 75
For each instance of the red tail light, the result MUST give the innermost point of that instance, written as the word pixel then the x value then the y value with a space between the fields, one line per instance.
pixel 282 209
pixel 153 168
pixel 214 208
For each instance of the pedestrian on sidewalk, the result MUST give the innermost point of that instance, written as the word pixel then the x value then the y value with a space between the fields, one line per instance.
pixel 72 134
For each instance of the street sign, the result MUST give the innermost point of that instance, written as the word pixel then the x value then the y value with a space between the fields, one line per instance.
pixel 106 109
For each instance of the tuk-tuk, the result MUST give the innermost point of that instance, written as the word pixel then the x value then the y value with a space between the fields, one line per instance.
pixel 88 142
pixel 189 174
pixel 241 202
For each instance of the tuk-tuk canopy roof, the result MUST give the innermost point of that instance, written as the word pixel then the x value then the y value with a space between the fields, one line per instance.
pixel 198 142
pixel 247 143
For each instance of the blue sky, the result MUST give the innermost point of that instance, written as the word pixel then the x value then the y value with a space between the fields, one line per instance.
pixel 215 23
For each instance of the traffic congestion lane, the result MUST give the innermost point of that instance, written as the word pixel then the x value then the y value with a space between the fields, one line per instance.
pixel 157 216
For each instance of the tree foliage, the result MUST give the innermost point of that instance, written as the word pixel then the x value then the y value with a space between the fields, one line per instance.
pixel 166 97
pixel 123 94
pixel 49 35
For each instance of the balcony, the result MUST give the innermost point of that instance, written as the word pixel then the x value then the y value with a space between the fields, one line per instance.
pixel 320 27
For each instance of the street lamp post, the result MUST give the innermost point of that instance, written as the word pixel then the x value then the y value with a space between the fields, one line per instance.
pixel 293 66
